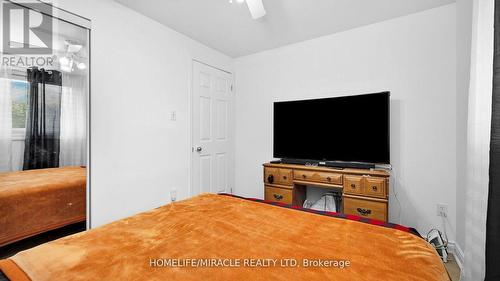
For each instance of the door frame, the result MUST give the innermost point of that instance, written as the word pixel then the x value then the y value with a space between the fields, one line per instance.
pixel 190 121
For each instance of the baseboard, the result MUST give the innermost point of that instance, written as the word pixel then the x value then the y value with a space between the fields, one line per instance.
pixel 455 249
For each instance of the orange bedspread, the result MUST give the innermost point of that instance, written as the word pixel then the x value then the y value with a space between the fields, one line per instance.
pixel 35 201
pixel 230 229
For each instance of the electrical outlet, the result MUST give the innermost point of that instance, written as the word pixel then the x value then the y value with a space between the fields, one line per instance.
pixel 442 210
pixel 173 115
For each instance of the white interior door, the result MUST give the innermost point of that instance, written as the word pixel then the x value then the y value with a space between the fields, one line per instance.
pixel 212 130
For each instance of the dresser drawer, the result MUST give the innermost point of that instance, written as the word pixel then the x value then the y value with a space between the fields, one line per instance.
pixel 365 208
pixel 366 185
pixel 317 176
pixel 278 176
pixel 280 195
pixel 285 177
pixel 270 175
pixel 375 187
pixel 353 184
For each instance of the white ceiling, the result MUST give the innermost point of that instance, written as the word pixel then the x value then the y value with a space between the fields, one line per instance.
pixel 230 29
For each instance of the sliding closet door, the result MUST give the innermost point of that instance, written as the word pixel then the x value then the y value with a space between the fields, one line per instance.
pixel 212 130
pixel 44 94
pixel 72 53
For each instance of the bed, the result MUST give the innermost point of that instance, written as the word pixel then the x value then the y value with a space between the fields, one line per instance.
pixel 204 238
pixel 36 201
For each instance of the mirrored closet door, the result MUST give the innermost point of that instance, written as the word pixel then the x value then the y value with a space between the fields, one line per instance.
pixel 44 94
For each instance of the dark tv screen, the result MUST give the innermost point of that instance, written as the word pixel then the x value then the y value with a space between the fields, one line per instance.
pixel 351 129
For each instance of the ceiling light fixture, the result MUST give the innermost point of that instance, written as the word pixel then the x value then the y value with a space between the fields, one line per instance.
pixel 68 61
pixel 73 46
pixel 81 66
pixel 64 60
pixel 256 7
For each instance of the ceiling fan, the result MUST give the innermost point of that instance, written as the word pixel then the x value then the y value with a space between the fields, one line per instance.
pixel 255 6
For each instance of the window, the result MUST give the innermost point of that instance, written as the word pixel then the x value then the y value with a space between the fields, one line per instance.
pixel 19 93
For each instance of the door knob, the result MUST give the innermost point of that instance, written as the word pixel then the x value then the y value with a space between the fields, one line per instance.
pixel 199 149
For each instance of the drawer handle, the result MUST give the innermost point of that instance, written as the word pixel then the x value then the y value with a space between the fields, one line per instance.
pixel 284 177
pixel 364 212
pixel 278 197
pixel 329 179
pixel 304 176
pixel 353 185
pixel 374 188
pixel 270 179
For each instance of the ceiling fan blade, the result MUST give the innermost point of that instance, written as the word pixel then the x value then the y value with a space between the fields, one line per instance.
pixel 256 8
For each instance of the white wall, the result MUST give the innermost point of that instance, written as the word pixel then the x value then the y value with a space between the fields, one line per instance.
pixel 140 73
pixel 414 57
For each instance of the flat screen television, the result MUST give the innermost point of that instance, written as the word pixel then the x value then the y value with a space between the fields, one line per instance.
pixel 349 129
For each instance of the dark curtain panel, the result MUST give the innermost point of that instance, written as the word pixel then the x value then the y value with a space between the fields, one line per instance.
pixel 493 217
pixel 41 149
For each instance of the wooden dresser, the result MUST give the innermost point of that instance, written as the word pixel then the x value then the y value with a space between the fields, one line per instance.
pixel 365 193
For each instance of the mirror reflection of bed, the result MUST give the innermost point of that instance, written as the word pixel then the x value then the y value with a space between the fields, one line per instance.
pixel 43 143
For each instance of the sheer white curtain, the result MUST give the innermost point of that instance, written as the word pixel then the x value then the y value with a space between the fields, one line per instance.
pixel 5 125
pixel 73 146
pixel 478 139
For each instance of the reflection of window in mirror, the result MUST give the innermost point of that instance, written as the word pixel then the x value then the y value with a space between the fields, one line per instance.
pixel 19 94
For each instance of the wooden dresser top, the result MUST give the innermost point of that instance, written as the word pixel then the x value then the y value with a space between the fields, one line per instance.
pixel 380 173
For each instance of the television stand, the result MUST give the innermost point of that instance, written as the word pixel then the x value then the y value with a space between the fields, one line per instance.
pixel 365 192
